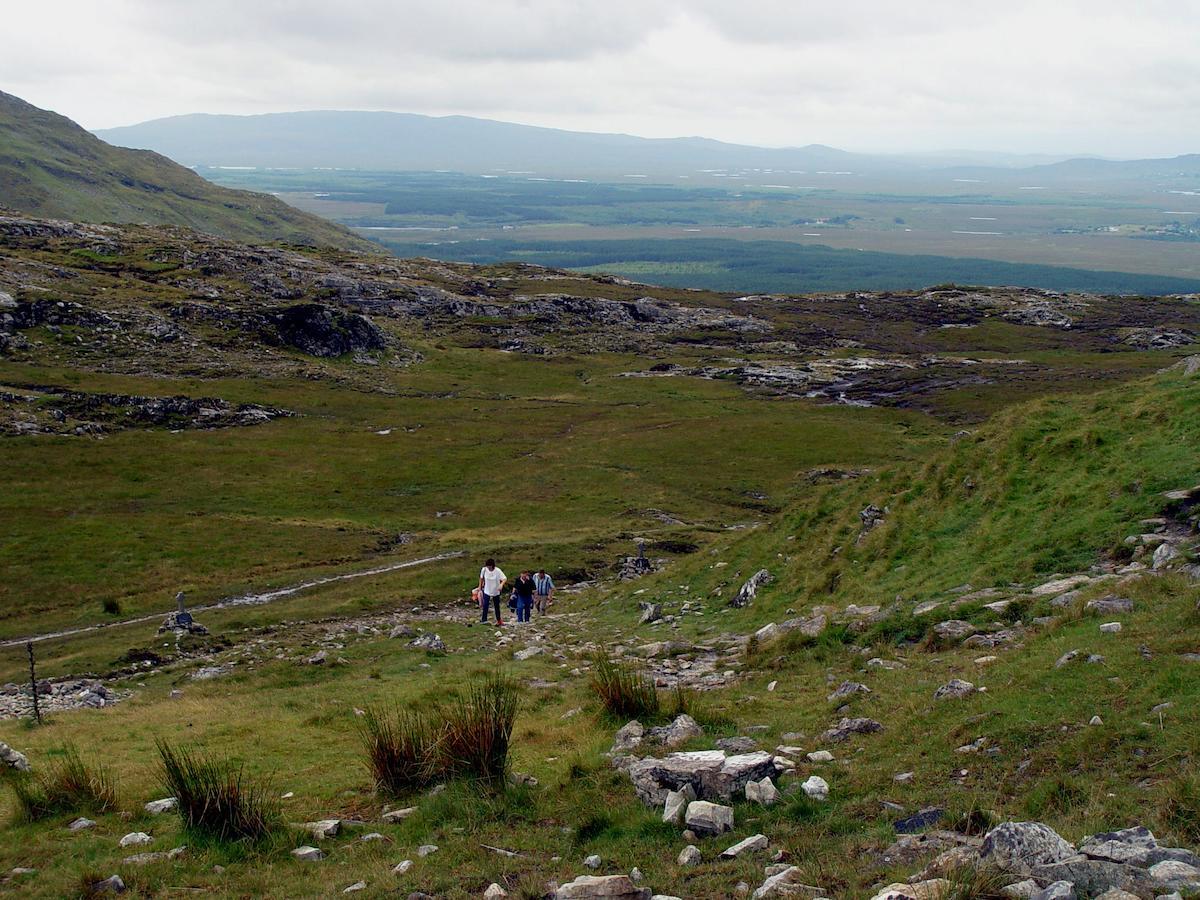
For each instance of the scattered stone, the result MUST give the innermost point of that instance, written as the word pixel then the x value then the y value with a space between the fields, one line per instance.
pixel 1060 585
pixel 355 888
pixel 110 885
pixel 689 856
pixel 403 631
pixel 953 630
pixel 135 838
pixel 1110 605
pixel 1175 873
pixel 398 815
pixel 954 689
pixel 628 737
pixel 402 867
pixel 324 828
pixel 430 642
pixel 846 727
pixel 737 744
pixel 80 824
pixel 593 861
pixel 1021 890
pixel 494 891
pixel 1110 627
pixel 157 807
pixel 919 821
pixel 675 806
pixel 1095 720
pixel 318 658
pixel 651 612
pixel 816 787
pixel 309 854
pixel 14 759
pixel 934 889
pixel 426 849
pixel 848 689
pixel 372 837
pixel 611 887
pixel 707 818
pixel 746 845
pixel 749 590
pixel 1163 556
pixel 527 653
pixel 1059 890
pixel 762 792
pixel 1069 656
pixel 787 883
pixel 683 729
pixel 820 756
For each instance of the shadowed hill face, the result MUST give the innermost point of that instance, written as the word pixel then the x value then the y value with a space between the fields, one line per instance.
pixel 49 166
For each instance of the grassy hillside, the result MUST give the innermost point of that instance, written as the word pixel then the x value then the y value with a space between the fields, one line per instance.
pixel 51 167
pixel 1056 485
pixel 1044 487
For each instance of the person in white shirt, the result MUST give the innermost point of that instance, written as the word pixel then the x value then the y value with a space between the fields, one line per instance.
pixel 491 582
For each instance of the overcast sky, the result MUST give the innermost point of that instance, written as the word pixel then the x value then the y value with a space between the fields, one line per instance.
pixel 1113 77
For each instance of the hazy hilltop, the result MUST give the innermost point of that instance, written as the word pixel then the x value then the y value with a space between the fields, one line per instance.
pixel 405 141
pixel 50 166
pixel 392 141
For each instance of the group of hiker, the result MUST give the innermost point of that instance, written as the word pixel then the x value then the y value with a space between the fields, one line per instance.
pixel 531 590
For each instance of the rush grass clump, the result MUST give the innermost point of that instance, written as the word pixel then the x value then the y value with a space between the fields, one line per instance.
pixel 68 785
pixel 401 747
pixel 625 693
pixel 216 798
pixel 477 733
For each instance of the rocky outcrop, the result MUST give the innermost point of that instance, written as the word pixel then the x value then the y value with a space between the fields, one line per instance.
pixel 748 591
pixel 711 774
pixel 323 331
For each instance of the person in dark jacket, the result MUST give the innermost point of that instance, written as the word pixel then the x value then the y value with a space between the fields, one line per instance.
pixel 523 589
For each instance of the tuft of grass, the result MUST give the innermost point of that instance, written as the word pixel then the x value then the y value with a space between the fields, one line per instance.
pixel 477 733
pixel 1057 795
pixel 624 692
pixel 69 785
pixel 111 606
pixel 1181 807
pixel 400 747
pixel 216 798
pixel 976 883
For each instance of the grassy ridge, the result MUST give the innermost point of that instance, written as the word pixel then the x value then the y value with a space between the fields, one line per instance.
pixel 1047 486
pixel 51 167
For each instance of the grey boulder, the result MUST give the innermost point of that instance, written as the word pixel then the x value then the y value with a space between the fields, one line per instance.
pixel 707 818
pixel 616 887
pixel 1022 846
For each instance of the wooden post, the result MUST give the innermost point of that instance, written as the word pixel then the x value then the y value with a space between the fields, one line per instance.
pixel 37 710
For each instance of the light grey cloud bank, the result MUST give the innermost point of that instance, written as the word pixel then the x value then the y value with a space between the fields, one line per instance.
pixel 1101 76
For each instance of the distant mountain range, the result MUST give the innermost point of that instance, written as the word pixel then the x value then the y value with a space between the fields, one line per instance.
pixel 50 166
pixel 389 141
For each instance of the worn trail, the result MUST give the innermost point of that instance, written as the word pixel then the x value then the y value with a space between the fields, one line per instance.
pixel 240 600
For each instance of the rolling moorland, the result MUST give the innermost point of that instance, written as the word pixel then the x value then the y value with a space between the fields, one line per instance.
pixel 692 212
pixel 924 560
